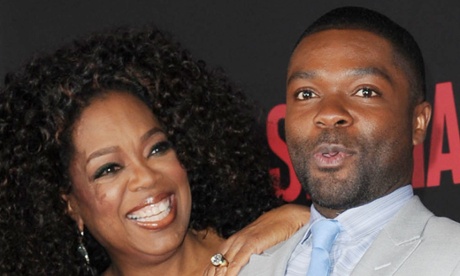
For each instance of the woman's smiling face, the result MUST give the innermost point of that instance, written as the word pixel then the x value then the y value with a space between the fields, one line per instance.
pixel 128 187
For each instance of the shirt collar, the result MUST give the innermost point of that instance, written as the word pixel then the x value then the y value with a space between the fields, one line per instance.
pixel 359 221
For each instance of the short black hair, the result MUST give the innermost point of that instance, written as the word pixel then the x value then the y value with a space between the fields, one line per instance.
pixel 403 42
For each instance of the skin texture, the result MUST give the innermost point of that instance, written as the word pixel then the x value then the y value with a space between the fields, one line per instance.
pixel 122 161
pixel 350 122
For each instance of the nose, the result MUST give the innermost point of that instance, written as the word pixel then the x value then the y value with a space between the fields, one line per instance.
pixel 333 113
pixel 143 177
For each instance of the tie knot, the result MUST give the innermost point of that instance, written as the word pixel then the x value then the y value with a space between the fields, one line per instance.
pixel 324 233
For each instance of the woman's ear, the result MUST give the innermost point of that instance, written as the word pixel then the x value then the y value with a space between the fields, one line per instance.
pixel 73 210
pixel 421 119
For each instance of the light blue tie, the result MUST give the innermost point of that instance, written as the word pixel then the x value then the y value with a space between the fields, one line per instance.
pixel 324 233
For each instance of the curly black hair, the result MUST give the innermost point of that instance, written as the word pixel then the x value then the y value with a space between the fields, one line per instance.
pixel 210 123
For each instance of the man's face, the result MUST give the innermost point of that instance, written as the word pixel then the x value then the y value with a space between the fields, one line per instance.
pixel 349 124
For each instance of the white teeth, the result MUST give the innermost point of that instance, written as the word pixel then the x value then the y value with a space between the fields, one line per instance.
pixel 152 212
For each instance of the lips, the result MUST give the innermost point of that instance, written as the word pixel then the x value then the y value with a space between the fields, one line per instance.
pixel 151 212
pixel 331 155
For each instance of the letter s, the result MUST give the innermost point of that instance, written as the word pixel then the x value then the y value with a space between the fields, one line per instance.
pixel 279 148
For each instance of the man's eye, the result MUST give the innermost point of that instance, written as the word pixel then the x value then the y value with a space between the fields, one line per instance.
pixel 305 95
pixel 107 169
pixel 366 92
pixel 160 148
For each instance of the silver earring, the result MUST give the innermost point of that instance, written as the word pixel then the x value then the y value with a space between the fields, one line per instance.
pixel 84 253
pixel 82 249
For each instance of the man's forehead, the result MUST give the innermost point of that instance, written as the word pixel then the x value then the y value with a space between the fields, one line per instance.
pixel 362 48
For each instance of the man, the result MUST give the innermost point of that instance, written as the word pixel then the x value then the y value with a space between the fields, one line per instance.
pixel 355 109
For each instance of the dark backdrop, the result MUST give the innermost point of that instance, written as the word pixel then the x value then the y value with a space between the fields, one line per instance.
pixel 252 41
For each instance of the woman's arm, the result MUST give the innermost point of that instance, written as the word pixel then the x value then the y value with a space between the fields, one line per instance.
pixel 269 229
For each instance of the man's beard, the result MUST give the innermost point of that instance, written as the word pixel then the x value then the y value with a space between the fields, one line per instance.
pixel 379 166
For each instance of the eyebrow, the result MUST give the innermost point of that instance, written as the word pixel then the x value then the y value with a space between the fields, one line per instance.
pixel 150 133
pixel 301 75
pixel 352 72
pixel 113 149
pixel 370 71
pixel 101 152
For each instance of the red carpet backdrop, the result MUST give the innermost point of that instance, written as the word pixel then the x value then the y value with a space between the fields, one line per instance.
pixel 252 41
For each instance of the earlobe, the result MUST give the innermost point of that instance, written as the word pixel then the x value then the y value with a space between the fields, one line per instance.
pixel 422 116
pixel 72 210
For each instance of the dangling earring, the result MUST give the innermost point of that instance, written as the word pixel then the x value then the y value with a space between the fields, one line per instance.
pixel 82 249
pixel 84 253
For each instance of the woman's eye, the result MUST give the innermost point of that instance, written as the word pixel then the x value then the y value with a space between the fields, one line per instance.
pixel 366 92
pixel 107 169
pixel 305 95
pixel 160 148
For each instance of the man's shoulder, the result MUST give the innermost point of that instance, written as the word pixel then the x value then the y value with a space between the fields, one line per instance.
pixel 416 216
pixel 443 228
pixel 435 223
pixel 434 234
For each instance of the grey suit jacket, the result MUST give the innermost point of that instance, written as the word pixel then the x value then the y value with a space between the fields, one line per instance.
pixel 414 242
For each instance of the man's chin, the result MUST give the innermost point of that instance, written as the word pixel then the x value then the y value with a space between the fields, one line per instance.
pixel 336 201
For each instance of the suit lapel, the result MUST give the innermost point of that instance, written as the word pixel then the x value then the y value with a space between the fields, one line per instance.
pixel 396 242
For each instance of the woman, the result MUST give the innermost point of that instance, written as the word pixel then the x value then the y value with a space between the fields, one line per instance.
pixel 122 155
